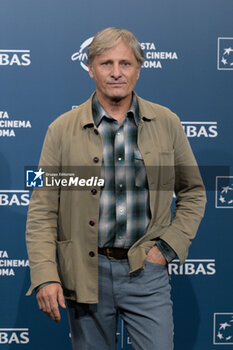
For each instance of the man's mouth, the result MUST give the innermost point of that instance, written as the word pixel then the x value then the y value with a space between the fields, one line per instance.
pixel 116 84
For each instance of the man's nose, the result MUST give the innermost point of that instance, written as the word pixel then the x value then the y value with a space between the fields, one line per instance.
pixel 116 71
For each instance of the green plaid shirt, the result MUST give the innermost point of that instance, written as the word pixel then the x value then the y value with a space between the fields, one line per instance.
pixel 124 201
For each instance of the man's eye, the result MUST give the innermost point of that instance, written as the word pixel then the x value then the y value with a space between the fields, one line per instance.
pixel 126 63
pixel 106 63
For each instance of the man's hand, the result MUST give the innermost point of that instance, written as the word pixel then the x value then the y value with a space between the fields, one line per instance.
pixel 155 256
pixel 49 298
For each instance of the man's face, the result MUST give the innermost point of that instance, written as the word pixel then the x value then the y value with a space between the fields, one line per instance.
pixel 115 72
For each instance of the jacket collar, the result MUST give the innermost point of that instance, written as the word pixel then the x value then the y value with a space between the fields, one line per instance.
pixel 146 110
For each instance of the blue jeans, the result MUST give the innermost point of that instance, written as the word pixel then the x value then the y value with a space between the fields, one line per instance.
pixel 142 299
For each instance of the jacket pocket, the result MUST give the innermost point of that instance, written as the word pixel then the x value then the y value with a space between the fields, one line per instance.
pixel 167 169
pixel 65 264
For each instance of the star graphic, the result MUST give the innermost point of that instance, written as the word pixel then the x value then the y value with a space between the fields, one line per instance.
pixel 38 175
pixel 228 338
pixel 230 202
pixel 219 335
pixel 226 189
pixel 228 51
pixel 222 199
pixel 224 61
pixel 224 325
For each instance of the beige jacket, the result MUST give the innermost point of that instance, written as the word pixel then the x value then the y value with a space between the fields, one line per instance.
pixel 62 225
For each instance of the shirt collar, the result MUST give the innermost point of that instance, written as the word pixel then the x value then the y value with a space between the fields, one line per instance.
pixel 99 112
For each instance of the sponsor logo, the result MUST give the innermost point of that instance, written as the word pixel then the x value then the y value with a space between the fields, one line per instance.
pixel 14 197
pixel 34 178
pixel 224 192
pixel 225 54
pixel 14 336
pixel 223 328
pixel 200 129
pixel 8 127
pixel 192 267
pixel 15 57
pixel 9 266
pixel 154 58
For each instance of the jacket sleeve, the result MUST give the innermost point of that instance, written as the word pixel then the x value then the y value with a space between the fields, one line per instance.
pixel 41 228
pixel 190 195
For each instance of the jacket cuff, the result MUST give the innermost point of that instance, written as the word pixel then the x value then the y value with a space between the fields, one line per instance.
pixel 42 273
pixel 167 251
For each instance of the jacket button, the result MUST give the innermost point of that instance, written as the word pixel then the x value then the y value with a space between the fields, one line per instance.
pixel 96 131
pixel 91 254
pixel 94 191
pixel 95 159
pixel 92 223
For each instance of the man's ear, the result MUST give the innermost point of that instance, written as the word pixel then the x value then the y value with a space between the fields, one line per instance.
pixel 91 71
pixel 138 72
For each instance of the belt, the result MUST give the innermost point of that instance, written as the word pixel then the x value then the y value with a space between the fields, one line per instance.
pixel 114 253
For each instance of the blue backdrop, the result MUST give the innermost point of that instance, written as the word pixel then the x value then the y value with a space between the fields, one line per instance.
pixel 189 51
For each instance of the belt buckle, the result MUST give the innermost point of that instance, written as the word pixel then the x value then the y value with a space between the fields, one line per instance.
pixel 108 254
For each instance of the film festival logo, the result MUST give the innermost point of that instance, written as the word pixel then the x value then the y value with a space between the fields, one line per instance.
pixel 154 58
pixel 225 54
pixel 223 329
pixel 81 55
pixel 224 192
pixel 9 266
pixel 9 127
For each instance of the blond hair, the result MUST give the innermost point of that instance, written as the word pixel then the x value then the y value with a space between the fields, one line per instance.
pixel 108 38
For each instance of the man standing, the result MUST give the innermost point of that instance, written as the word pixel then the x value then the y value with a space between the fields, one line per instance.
pixel 106 249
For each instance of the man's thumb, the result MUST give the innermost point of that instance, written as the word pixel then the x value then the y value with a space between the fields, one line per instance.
pixel 61 299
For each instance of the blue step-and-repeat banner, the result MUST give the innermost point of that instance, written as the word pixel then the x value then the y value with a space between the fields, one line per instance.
pixel 189 68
